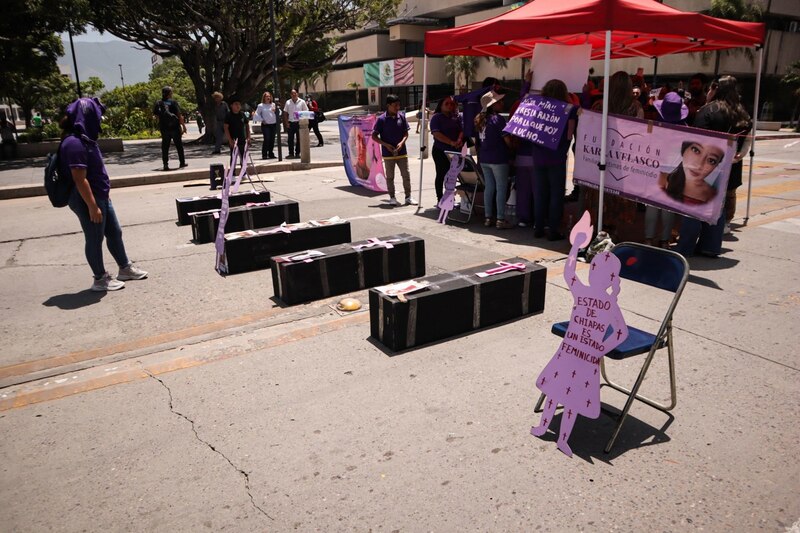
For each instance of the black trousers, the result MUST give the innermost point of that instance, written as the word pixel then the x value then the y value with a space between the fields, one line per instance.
pixel 174 136
pixel 314 125
pixel 241 144
pixel 268 130
pixel 294 139
pixel 442 164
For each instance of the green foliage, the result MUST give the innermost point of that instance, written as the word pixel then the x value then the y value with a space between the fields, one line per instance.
pixel 51 131
pixel 31 135
pixel 461 67
pixel 792 76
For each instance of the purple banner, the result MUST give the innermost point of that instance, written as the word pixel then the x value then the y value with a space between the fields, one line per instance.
pixel 540 120
pixel 363 163
pixel 678 168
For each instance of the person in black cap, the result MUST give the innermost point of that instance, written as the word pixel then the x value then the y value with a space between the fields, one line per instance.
pixel 170 122
pixel 237 129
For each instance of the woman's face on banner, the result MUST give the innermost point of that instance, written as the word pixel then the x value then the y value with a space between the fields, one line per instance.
pixel 700 160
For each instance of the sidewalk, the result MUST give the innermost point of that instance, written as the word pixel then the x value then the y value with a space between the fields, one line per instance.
pixel 140 163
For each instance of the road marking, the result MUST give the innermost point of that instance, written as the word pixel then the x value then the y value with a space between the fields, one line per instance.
pixel 790 144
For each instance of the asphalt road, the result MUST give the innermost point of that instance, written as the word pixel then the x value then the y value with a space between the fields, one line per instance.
pixel 189 401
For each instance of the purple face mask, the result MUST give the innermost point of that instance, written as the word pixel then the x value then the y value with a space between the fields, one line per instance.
pixel 86 114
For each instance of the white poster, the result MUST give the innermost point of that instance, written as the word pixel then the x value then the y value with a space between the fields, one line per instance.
pixel 569 64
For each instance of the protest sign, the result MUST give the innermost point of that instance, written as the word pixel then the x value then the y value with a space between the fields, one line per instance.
pixel 678 168
pixel 540 120
pixel 363 163
pixel 568 63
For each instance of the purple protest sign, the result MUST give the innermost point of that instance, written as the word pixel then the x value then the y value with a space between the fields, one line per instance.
pixel 677 168
pixel 596 327
pixel 540 120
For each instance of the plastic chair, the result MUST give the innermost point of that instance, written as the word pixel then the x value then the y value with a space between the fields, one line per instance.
pixel 662 269
pixel 470 182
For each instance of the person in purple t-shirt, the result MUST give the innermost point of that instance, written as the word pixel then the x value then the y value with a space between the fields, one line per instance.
pixel 391 132
pixel 80 157
pixel 493 155
pixel 448 135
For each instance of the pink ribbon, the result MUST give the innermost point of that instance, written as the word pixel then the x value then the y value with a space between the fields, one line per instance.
pixel 503 267
pixel 279 229
pixel 375 241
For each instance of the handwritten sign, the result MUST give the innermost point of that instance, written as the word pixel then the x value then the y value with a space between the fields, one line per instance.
pixel 596 327
pixel 540 120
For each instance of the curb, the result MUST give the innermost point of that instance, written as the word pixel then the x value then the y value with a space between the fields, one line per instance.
pixel 153 178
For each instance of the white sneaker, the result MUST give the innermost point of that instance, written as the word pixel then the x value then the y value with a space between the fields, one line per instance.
pixel 727 229
pixel 107 283
pixel 410 200
pixel 131 272
pixel 393 202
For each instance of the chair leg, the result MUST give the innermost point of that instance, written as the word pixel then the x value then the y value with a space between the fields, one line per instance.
pixel 538 408
pixel 633 395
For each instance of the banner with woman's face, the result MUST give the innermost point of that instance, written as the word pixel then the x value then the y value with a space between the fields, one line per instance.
pixel 678 168
pixel 363 163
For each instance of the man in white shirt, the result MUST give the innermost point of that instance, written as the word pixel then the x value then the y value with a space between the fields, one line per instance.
pixel 292 123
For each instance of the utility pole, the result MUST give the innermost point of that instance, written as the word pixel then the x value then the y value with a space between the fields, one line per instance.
pixel 120 75
pixel 75 63
pixel 276 96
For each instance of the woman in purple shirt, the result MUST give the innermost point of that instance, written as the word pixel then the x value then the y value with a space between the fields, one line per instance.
pixel 80 158
pixel 493 154
pixel 448 135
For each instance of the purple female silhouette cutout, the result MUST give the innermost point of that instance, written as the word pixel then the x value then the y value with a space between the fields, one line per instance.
pixel 596 327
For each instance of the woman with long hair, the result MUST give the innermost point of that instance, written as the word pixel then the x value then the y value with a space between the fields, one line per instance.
pixel 448 135
pixel 620 97
pixel 550 170
pixel 723 112
pixel 493 155
pixel 267 117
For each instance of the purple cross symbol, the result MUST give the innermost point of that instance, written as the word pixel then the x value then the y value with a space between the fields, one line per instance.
pixel 556 374
pixel 595 371
pixel 573 373
pixel 613 276
pixel 568 390
pixel 619 334
pixel 569 413
pixel 588 403
pixel 574 279
pixel 543 381
pixel 594 266
pixel 549 403
pixel 587 384
pixel 608 254
pixel 545 421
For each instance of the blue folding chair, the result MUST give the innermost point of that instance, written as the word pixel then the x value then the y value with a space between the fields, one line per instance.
pixel 655 267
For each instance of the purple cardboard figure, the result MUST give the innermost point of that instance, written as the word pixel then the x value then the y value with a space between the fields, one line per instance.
pixel 596 327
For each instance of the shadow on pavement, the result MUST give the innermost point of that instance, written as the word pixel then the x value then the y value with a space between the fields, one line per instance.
pixel 76 300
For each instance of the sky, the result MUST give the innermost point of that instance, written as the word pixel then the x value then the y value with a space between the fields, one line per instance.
pixel 92 36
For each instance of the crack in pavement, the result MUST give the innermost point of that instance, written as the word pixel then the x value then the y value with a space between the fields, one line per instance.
pixel 244 474
pixel 12 261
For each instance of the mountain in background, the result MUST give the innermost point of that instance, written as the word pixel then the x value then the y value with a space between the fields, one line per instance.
pixel 102 59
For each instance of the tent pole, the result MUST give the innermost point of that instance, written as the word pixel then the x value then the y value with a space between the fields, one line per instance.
pixel 604 132
pixel 422 136
pixel 755 127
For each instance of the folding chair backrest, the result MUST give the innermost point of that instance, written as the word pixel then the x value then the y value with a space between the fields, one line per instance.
pixel 471 173
pixel 662 269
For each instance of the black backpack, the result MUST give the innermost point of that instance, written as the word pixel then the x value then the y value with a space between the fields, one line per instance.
pixel 58 187
pixel 169 119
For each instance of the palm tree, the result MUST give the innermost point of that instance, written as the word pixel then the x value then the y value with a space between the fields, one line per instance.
pixel 354 85
pixel 461 66
pixel 741 10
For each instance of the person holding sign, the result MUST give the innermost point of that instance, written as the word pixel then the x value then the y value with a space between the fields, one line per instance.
pixel 448 135
pixel 550 170
pixel 596 327
pixel 493 155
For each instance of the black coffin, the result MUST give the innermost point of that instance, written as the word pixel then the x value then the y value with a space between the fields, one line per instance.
pixel 252 249
pixel 214 201
pixel 347 267
pixel 456 303
pixel 249 216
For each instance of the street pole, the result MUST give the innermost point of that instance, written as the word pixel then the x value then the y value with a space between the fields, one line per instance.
pixel 276 89
pixel 75 63
pixel 120 75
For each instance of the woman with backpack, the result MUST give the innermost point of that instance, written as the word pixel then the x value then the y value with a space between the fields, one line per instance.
pixel 80 157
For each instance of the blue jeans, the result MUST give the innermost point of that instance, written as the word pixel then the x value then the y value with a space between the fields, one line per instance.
pixel 108 228
pixel 702 237
pixel 495 192
pixel 548 199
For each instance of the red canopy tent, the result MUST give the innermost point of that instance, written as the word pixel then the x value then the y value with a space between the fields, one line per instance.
pixel 614 28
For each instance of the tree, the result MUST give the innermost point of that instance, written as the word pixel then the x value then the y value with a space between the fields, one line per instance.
pixel 224 46
pixel 792 78
pixel 355 85
pixel 741 10
pixel 461 66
